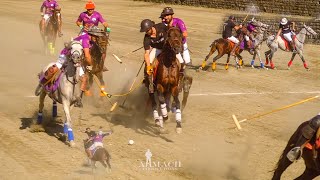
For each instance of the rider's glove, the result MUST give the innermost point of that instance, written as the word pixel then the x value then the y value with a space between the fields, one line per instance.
pixel 81 26
pixel 42 14
pixel 149 70
pixel 108 29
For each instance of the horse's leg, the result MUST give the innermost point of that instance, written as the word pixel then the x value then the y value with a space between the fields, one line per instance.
pixel 186 88
pixel 41 105
pixel 89 85
pixel 67 125
pixel 308 174
pixel 303 60
pixel 283 164
pixel 156 116
pixel 215 59
pixel 108 157
pixel 102 84
pixel 54 109
pixel 163 105
pixel 227 64
pixel 212 50
pixel 238 64
pixel 267 53
pixel 290 62
pixel 257 52
pixel 178 113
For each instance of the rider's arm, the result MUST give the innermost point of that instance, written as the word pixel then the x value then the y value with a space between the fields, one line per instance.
pixel 147 57
pixel 279 32
pixel 79 21
pixel 293 26
pixel 42 7
pixel 105 24
pixel 87 56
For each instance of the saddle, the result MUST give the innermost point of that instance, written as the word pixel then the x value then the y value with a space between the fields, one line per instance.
pixel 286 43
pixel 50 78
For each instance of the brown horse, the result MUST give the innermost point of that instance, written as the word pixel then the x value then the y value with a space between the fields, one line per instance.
pixel 100 154
pixel 51 31
pixel 98 51
pixel 167 74
pixel 223 46
pixel 312 164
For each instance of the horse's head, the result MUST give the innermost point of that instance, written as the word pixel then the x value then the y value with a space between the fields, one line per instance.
pixel 174 39
pixel 262 26
pixel 309 30
pixel 56 14
pixel 76 51
pixel 100 37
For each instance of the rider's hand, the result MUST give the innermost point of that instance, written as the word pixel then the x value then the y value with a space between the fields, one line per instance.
pixel 240 26
pixel 42 14
pixel 81 27
pixel 149 70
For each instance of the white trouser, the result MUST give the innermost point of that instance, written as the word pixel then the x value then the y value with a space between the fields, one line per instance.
pixel 186 54
pixel 46 17
pixel 81 72
pixel 95 145
pixel 246 38
pixel 287 36
pixel 61 60
pixel 233 39
pixel 155 52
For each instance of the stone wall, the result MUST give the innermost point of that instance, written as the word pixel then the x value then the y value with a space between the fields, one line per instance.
pixel 286 7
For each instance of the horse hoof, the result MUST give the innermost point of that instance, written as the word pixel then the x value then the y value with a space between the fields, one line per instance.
pixel 179 130
pixel 252 66
pixel 288 68
pixel 72 144
pixel 157 123
pixel 165 118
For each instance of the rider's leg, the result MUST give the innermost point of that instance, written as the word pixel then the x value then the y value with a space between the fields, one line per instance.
pixel 186 54
pixel 60 25
pixel 42 25
pixel 236 44
pixel 287 36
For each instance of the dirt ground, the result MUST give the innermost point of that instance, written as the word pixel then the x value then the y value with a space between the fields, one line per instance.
pixel 210 146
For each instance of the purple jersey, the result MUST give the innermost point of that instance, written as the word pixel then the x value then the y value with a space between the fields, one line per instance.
pixel 49 6
pixel 251 27
pixel 65 51
pixel 84 38
pixel 92 20
pixel 176 22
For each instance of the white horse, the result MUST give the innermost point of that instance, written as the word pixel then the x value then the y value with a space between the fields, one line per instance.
pixel 259 37
pixel 280 43
pixel 68 90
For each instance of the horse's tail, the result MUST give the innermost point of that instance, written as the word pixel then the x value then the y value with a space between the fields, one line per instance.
pixel 284 162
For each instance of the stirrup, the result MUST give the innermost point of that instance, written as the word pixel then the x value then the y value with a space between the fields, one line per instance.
pixel 294 154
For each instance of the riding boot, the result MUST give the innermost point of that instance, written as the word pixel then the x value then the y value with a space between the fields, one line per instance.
pixel 292 46
pixel 150 79
pixel 234 49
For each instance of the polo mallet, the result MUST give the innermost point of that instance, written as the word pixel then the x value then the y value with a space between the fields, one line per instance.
pixel 237 122
pixel 114 105
pixel 118 58
pixel 122 105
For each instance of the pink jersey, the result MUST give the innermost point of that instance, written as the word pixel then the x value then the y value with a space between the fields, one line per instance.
pixel 84 38
pixel 176 22
pixel 92 20
pixel 49 6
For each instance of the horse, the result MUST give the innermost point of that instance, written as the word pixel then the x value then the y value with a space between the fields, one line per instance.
pixel 223 46
pixel 64 89
pixel 312 169
pixel 100 154
pixel 167 75
pixel 98 51
pixel 51 31
pixel 298 39
pixel 259 37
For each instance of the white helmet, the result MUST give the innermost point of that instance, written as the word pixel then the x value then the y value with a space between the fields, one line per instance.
pixel 284 21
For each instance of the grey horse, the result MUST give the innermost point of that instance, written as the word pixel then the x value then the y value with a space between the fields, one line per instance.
pixel 67 91
pixel 259 37
pixel 274 44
